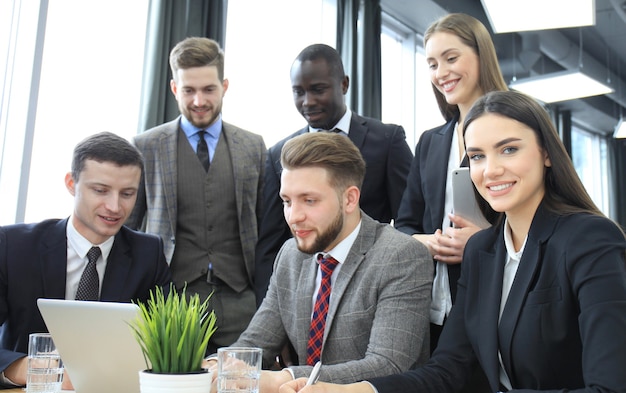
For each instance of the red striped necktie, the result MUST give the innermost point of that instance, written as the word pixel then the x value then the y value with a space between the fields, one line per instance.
pixel 318 321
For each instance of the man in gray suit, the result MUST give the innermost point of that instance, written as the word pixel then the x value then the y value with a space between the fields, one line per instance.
pixel 202 190
pixel 377 320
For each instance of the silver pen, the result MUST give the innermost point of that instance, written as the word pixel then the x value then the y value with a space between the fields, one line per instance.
pixel 315 374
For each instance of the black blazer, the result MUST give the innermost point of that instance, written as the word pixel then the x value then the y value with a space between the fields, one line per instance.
pixel 388 159
pixel 33 264
pixel 423 203
pixel 422 206
pixel 563 326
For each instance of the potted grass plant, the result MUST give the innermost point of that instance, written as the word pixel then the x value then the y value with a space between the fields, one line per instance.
pixel 173 332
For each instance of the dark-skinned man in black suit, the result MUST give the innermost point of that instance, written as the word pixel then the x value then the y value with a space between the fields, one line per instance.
pixel 319 85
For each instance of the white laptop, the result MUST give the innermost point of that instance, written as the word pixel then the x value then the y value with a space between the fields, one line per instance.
pixel 96 343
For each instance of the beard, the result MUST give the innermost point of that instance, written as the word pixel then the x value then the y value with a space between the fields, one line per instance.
pixel 325 238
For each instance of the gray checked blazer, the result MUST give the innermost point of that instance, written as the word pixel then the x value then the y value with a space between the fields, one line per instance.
pixel 156 209
pixel 378 318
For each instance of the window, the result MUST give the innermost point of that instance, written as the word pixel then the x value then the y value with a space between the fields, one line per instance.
pixel 259 55
pixel 407 96
pixel 90 81
pixel 589 155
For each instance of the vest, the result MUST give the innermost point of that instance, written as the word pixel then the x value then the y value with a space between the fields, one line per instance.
pixel 207 227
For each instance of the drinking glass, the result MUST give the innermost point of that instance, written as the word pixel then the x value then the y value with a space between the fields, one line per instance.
pixel 239 369
pixel 45 368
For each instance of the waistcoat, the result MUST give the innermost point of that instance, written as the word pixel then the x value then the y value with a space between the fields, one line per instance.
pixel 207 228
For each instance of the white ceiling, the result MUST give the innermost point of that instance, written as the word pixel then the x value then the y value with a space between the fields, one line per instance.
pixel 534 53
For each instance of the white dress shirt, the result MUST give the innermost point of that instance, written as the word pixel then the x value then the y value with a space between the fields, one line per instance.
pixel 510 270
pixel 343 124
pixel 77 248
pixel 441 297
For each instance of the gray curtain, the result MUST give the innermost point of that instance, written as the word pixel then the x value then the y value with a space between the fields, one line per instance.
pixel 360 51
pixel 170 21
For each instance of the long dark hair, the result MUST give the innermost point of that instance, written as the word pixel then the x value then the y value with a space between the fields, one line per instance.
pixel 564 192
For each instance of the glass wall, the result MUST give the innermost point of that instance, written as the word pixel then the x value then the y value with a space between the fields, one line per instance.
pixel 259 52
pixel 407 96
pixel 589 155
pixel 85 77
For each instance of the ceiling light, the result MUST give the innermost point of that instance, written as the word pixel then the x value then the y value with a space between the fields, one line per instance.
pixel 560 86
pixel 620 129
pixel 507 16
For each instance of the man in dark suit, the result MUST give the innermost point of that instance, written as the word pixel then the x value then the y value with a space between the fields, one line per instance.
pixel 48 259
pixel 319 85
pixel 207 216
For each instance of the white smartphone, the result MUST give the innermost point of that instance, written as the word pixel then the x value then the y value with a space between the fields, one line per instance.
pixel 464 202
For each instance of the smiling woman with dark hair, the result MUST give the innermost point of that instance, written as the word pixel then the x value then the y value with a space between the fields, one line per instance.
pixel 542 296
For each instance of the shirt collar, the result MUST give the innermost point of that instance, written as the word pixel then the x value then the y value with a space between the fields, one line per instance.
pixel 213 130
pixel 82 245
pixel 508 242
pixel 340 251
pixel 343 124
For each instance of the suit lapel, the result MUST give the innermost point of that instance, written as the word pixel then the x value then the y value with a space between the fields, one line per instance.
pixel 117 270
pixel 236 149
pixel 304 302
pixel 358 130
pixel 362 243
pixel 169 176
pixel 541 228
pixel 490 275
pixel 439 147
pixel 54 261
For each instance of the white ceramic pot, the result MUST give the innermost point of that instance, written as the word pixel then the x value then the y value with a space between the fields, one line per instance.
pixel 175 383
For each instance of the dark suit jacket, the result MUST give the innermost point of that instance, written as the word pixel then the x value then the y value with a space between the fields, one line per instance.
pixel 423 203
pixel 563 326
pixel 422 206
pixel 388 158
pixel 33 264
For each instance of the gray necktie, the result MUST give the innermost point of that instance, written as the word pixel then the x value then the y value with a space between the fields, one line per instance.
pixel 89 284
pixel 203 151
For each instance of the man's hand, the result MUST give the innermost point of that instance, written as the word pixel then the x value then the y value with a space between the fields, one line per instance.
pixel 269 382
pixel 272 380
pixel 299 386
pixel 16 371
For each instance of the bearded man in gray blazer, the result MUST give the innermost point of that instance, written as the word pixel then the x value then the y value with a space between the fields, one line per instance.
pixel 202 190
pixel 377 321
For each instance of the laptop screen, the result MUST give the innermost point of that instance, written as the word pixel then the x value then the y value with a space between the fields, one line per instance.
pixel 96 343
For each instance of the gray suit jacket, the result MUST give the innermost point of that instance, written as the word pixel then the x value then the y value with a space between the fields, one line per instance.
pixel 156 208
pixel 378 318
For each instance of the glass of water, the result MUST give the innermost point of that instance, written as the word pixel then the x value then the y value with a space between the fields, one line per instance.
pixel 238 369
pixel 45 368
